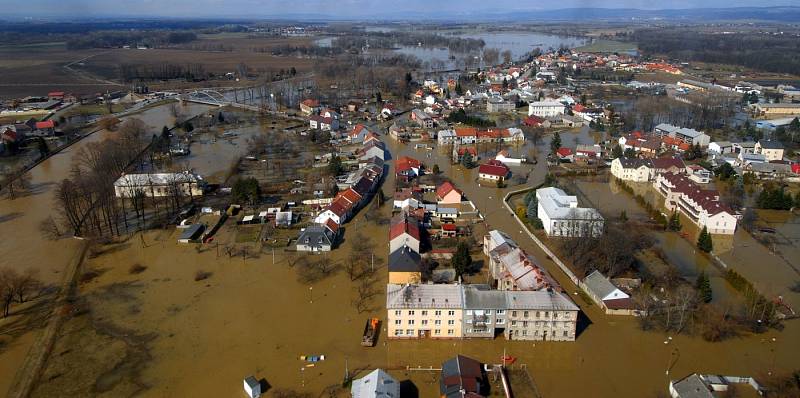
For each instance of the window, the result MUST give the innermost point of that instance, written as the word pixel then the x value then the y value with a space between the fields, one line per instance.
pixel 437 313
pixel 525 324
pixel 424 321
pixel 410 332
pixel 547 314
pixel 397 321
pixel 566 333
pixel 410 321
pixel 524 332
pixel 513 323
pixel 411 313
pixel 501 312
pixel 398 332
pixel 451 322
pixel 514 313
pixel 437 331
pixel 424 313
pixel 500 321
pixel 469 312
pixel 451 313
pixel 397 313
pixel 525 314
pixel 450 332
pixel 437 322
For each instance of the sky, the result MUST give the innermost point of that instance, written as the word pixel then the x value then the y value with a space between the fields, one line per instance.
pixel 336 8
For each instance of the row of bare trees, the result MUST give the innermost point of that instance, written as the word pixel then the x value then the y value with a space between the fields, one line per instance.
pixel 17 287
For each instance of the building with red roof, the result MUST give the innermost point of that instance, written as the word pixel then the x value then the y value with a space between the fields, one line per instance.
pixel 701 206
pixel 447 193
pixel 308 106
pixel 493 170
pixel 45 125
pixel 404 231
pixel 407 168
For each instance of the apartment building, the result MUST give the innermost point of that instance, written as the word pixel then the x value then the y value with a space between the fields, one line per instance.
pixel 477 311
pixel 424 311
pixel 159 184
pixel 701 206
pixel 546 109
pixel 512 268
pixel 689 136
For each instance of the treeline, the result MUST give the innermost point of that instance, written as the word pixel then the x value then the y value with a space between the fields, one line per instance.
pixel 112 39
pixel 772 53
pixel 289 50
pixel 460 116
pixel 388 40
pixel 165 71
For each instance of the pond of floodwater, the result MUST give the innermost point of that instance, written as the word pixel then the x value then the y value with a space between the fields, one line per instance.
pixel 519 43
pixel 212 155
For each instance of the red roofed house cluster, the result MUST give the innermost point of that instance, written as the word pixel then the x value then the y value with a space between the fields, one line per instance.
pixel 699 205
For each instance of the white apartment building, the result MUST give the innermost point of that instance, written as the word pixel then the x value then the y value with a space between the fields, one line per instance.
pixel 424 311
pixel 631 169
pixel 701 206
pixel 562 217
pixel 545 109
pixel 689 136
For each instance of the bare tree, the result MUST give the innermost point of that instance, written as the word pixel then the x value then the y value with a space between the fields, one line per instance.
pixel 49 228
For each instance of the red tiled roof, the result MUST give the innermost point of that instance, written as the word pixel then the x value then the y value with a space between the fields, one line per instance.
pixel 47 124
pixel 564 152
pixel 445 189
pixel 357 130
pixel 350 194
pixel 405 163
pixel 55 94
pixel 311 103
pixel 332 225
pixel 466 132
pixel 407 226
pixel 533 121
pixel 448 227
pixel 666 163
pixel 708 199
pixel 578 108
pixel 494 169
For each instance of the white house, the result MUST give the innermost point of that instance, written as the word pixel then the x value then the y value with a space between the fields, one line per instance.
pixel 772 150
pixel 561 215
pixel 546 109
pixel 503 157
pixel 631 169
pixel 377 384
pixel 720 147
pixel 159 184
pixel 252 387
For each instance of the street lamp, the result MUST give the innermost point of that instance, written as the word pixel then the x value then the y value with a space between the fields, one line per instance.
pixel 311 293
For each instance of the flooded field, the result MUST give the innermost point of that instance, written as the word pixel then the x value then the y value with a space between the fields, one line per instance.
pixel 161 332
pixel 25 247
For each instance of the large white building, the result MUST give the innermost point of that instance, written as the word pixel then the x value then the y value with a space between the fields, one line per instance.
pixel 546 109
pixel 631 169
pixel 159 184
pixel 689 136
pixel 561 215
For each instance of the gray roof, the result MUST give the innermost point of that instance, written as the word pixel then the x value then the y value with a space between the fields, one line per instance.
pixel 558 206
pixel 404 259
pixel 377 384
pixel 423 296
pixel 776 168
pixel 769 144
pixel 481 297
pixel 251 381
pixel 192 232
pixel 315 235
pixel 539 300
pixel 599 285
pixel 679 130
pixel 692 386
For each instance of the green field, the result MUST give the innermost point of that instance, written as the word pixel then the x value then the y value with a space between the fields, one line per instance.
pixel 608 46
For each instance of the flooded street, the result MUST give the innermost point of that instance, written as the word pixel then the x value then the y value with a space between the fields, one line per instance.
pixel 24 246
pixel 161 333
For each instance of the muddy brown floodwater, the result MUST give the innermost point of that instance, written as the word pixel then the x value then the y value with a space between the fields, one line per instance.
pixel 161 333
pixel 23 246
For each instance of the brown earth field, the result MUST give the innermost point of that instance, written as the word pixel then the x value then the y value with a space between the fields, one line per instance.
pixel 37 69
pixel 161 332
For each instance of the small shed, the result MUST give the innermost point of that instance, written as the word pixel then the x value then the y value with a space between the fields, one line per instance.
pixel 191 233
pixel 252 387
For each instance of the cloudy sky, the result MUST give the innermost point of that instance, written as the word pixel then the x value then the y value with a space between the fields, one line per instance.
pixel 337 8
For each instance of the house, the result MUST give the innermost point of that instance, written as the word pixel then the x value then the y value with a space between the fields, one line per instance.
pixel 252 387
pixel 561 215
pixel 192 233
pixel 484 311
pixel 589 151
pixel 404 232
pixel 388 110
pixel 404 266
pixel 323 123
pixel 540 315
pixel 564 154
pixel 316 238
pixel 459 152
pixel 666 165
pixel 423 119
pixel 772 150
pixel 46 127
pixel 503 157
pixel 376 384
pixel 372 149
pixel 445 213
pixel 702 207
pixel 407 199
pixel 284 219
pixel 309 106
pixel 448 194
pixel 159 185
pixel 641 144
pixel 56 95
pixel 709 386
pixel 357 134
pixel 546 109
pixel 494 171
pixel 744 147
pixel 463 377
pixel 720 147
pixel 745 158
pixel 606 295
pixel 534 121
pixel 407 168
pixel 769 171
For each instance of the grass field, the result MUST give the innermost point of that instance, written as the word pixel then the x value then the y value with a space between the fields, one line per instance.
pixel 608 46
